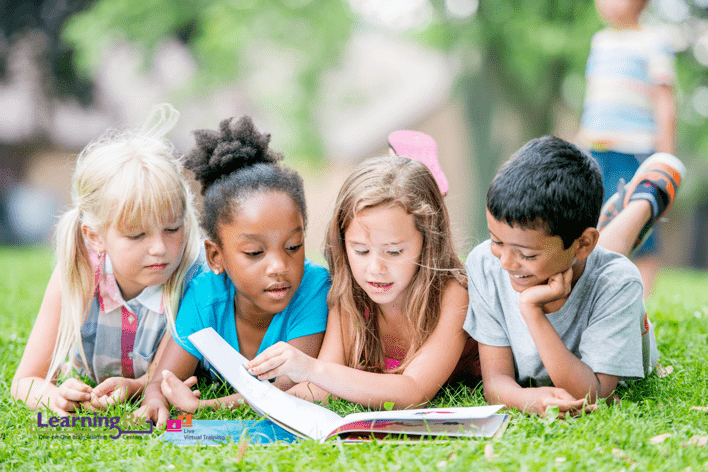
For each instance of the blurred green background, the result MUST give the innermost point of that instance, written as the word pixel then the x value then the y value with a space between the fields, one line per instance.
pixel 330 79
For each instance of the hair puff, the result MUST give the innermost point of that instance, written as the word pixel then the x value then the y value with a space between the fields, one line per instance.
pixel 237 144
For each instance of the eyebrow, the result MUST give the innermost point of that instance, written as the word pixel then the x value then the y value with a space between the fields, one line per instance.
pixel 396 243
pixel 515 245
pixel 259 237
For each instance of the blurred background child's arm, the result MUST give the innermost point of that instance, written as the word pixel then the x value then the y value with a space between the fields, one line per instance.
pixel 665 114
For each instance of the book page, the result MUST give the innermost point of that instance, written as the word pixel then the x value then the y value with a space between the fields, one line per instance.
pixel 426 414
pixel 294 414
pixel 471 427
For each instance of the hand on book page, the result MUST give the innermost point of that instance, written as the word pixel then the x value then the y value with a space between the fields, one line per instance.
pixel 281 359
pixel 312 421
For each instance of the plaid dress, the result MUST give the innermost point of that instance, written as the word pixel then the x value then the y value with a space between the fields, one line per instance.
pixel 120 338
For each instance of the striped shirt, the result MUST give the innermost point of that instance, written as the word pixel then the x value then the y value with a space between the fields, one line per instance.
pixel 623 68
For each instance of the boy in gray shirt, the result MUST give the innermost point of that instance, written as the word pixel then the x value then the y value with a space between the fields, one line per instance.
pixel 559 319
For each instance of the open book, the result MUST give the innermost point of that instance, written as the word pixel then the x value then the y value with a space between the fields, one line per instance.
pixel 308 420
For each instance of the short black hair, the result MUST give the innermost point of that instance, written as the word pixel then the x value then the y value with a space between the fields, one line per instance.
pixel 548 183
pixel 232 164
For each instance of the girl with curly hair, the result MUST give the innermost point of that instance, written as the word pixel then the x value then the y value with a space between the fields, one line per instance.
pixel 398 298
pixel 261 289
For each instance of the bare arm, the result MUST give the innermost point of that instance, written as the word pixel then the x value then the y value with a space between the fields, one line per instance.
pixel 33 368
pixel 565 369
pixel 179 362
pixel 416 385
pixel 180 396
pixel 500 386
pixel 665 119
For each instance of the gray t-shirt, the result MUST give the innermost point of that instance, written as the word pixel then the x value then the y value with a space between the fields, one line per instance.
pixel 603 322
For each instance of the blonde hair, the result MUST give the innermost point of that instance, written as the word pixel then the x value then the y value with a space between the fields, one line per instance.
pixel 120 180
pixel 387 182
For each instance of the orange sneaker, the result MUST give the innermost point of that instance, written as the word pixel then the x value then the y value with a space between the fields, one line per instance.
pixel 657 180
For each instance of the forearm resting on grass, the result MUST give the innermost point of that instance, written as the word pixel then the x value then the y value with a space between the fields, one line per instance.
pixel 63 399
pixel 28 384
pixel 500 387
pixel 178 362
pixel 181 396
pixel 565 369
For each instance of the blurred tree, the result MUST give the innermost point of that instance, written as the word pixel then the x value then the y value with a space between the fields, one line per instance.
pixel 278 47
pixel 37 24
pixel 47 18
pixel 530 55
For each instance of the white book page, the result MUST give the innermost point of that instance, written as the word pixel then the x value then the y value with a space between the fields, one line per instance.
pixel 295 414
pixel 425 414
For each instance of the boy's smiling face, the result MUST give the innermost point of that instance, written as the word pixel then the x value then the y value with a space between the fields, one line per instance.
pixel 531 256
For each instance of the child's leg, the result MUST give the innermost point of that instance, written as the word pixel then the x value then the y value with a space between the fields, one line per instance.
pixel 628 216
pixel 620 234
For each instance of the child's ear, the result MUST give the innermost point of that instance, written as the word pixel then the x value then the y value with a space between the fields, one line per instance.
pixel 587 242
pixel 213 256
pixel 95 241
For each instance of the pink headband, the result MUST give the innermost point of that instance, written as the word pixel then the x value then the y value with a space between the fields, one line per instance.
pixel 419 147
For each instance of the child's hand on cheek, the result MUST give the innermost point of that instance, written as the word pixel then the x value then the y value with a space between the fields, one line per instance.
pixel 281 359
pixel 179 393
pixel 557 287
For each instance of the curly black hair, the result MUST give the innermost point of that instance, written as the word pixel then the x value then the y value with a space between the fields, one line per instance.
pixel 234 163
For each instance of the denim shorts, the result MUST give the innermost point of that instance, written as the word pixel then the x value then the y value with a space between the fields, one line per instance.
pixel 616 165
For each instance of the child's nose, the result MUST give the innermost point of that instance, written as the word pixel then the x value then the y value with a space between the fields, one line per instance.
pixel 277 265
pixel 158 246
pixel 508 261
pixel 376 265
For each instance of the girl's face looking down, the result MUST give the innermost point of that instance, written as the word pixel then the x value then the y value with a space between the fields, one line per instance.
pixel 383 247
pixel 141 255
pixel 262 251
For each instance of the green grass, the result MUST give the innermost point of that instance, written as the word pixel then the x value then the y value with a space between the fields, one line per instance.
pixel 613 438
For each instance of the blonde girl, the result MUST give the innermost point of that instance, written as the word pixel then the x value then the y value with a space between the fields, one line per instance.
pixel 124 252
pixel 398 298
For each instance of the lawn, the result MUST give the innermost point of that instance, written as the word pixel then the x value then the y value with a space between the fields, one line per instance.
pixel 620 437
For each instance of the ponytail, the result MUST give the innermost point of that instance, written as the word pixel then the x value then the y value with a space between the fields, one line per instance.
pixel 77 282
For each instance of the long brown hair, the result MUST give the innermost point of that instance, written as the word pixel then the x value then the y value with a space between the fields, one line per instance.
pixel 389 181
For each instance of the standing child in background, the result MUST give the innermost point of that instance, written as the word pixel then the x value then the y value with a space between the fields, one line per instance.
pixel 124 253
pixel 560 320
pixel 261 289
pixel 629 110
pixel 398 296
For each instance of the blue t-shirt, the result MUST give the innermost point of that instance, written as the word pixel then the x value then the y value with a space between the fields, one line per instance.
pixel 209 302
